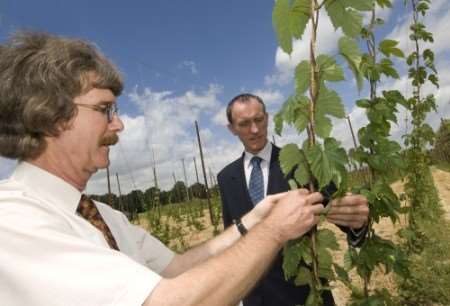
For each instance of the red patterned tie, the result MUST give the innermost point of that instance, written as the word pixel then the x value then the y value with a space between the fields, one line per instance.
pixel 89 211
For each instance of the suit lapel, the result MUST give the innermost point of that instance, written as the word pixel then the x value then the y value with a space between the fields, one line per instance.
pixel 239 184
pixel 277 182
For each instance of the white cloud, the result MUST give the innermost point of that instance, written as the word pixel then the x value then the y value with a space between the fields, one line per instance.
pixel 220 118
pixel 190 65
pixel 269 96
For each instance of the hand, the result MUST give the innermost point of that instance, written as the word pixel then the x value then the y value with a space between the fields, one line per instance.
pixel 351 211
pixel 294 214
pixel 260 211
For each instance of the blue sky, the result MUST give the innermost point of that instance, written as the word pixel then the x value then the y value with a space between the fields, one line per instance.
pixel 184 60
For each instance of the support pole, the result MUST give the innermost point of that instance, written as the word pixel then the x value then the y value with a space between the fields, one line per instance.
pixel 208 196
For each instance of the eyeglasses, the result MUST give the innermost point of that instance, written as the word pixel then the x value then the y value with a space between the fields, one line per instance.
pixel 109 109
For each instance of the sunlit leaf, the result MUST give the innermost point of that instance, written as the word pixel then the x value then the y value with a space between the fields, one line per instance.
pixel 349 20
pixel 329 102
pixel 328 69
pixel 302 77
pixel 349 49
pixel 387 68
pixel 299 17
pixel 280 15
pixel 323 125
pixel 278 122
pixel 360 5
pixel 328 162
pixel 389 47
pixel 290 156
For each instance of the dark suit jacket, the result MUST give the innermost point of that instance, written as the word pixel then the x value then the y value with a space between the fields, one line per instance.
pixel 273 289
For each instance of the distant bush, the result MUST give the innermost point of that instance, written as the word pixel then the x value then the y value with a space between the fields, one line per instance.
pixel 441 150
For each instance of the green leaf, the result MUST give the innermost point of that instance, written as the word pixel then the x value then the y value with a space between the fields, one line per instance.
pixel 327 239
pixel 290 157
pixel 279 16
pixel 278 121
pixel 360 5
pixel 352 24
pixel 294 252
pixel 394 97
pixel 301 175
pixel 292 184
pixel 323 125
pixel 329 103
pixel 348 19
pixel 320 165
pixel 348 260
pixel 294 112
pixel 299 17
pixel 301 109
pixel 342 274
pixel 363 103
pixel 329 70
pixel 349 49
pixel 303 277
pixel 434 79
pixel 302 77
pixel 384 3
pixel 387 68
pixel 325 264
pixel 389 47
pixel 327 164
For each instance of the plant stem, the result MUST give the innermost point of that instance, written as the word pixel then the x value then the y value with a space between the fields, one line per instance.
pixel 313 91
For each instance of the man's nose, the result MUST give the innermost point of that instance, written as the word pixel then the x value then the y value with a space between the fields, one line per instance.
pixel 116 124
pixel 254 127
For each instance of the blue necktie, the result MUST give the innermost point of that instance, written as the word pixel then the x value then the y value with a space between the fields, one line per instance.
pixel 256 184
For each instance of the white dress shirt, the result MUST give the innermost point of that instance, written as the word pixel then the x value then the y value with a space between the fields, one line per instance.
pixel 265 155
pixel 50 256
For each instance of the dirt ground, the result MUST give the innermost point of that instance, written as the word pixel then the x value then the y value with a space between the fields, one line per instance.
pixel 385 229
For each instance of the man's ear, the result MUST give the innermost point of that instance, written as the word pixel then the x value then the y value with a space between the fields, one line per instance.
pixel 231 128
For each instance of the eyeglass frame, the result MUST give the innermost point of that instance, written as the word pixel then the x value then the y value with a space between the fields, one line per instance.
pixel 109 109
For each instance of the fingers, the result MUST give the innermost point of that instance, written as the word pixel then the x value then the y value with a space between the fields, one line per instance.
pixel 351 211
pixel 349 205
pixel 355 224
pixel 276 197
pixel 317 209
pixel 314 198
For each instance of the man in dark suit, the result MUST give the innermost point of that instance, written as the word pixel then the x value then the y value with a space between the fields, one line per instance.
pixel 244 182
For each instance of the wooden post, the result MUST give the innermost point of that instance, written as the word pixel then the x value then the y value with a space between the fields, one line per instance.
pixel 208 197
pixel 351 130
pixel 196 172
pixel 109 188
pixel 120 193
pixel 185 180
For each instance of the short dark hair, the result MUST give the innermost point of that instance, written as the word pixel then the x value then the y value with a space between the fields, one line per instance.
pixel 245 97
pixel 40 75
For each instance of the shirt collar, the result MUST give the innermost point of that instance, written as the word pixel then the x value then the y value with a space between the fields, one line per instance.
pixel 46 186
pixel 265 154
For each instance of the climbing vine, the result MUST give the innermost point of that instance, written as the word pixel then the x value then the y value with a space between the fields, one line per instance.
pixel 320 162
